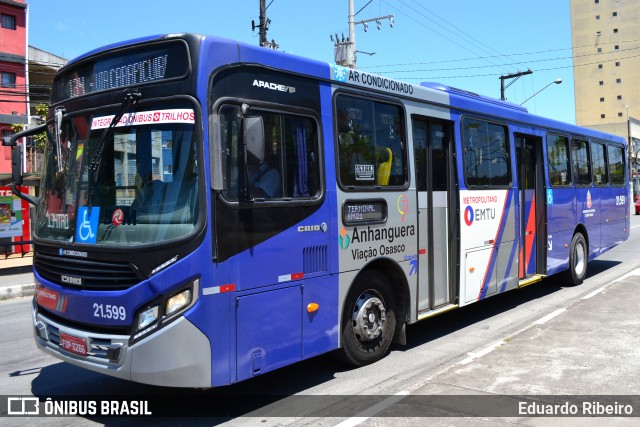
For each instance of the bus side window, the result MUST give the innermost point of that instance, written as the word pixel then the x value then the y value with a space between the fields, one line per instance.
pixel 290 168
pixel 486 154
pixel 558 156
pixel 617 166
pixel 581 162
pixel 599 160
pixel 371 145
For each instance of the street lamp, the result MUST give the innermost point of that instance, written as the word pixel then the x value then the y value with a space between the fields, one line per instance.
pixel 556 81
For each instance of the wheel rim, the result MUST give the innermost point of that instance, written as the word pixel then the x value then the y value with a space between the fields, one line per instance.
pixel 369 317
pixel 580 257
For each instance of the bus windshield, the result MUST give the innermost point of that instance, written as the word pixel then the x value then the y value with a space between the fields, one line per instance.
pixel 144 189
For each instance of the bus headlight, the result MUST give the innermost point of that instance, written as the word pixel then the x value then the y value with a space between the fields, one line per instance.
pixel 177 302
pixel 147 317
pixel 164 310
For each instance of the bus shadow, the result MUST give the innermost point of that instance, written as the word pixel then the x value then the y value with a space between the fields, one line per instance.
pixel 268 393
pixel 272 389
pixel 452 321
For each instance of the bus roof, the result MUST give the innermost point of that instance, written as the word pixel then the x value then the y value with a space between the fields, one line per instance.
pixel 464 101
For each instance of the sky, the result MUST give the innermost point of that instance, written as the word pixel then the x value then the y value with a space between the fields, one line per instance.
pixel 467 44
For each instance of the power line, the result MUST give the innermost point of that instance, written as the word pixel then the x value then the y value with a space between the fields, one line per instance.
pixel 435 31
pixel 510 54
pixel 471 39
pixel 515 63
pixel 538 69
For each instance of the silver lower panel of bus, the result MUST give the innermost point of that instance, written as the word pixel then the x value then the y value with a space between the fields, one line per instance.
pixel 178 355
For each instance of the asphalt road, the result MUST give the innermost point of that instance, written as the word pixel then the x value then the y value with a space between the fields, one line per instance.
pixel 545 339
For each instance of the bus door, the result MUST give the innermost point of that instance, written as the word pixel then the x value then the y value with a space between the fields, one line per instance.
pixel 530 169
pixel 432 145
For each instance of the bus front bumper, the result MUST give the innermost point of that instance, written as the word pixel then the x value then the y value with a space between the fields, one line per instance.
pixel 178 355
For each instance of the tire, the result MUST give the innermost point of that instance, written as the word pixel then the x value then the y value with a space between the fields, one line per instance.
pixel 578 258
pixel 368 319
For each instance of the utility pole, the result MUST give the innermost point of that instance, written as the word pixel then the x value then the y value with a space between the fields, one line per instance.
pixel 263 23
pixel 344 51
pixel 515 76
pixel 263 26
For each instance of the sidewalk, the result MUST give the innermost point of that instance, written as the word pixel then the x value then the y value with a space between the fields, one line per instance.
pixel 21 282
pixel 585 354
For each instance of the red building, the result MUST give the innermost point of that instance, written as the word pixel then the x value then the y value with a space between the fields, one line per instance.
pixel 13 85
pixel 14 218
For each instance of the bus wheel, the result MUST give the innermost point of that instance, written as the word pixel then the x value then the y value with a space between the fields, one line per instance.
pixel 369 319
pixel 577 260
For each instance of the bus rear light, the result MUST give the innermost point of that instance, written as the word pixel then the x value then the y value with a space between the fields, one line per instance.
pixel 312 307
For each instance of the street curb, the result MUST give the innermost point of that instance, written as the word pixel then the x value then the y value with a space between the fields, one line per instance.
pixel 17 291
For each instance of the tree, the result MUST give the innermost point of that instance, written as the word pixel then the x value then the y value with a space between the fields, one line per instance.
pixel 39 140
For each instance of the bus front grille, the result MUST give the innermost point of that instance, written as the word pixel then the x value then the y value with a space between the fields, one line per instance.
pixel 86 274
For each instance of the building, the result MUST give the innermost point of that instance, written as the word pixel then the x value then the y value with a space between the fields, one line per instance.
pixel 13 110
pixel 26 77
pixel 606 61
pixel 42 69
pixel 13 54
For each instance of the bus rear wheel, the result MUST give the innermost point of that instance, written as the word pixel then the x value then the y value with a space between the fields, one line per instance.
pixel 369 321
pixel 578 258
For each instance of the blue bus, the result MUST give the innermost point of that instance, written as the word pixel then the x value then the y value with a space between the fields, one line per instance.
pixel 211 211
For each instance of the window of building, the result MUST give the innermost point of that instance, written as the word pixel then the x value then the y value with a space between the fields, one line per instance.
pixel 601 99
pixel 615 31
pixel 602 116
pixel 616 47
pixel 617 64
pixel 615 14
pixel 371 143
pixel 6 135
pixel 597 1
pixel 619 114
pixel 486 154
pixel 580 162
pixel 8 22
pixel 599 50
pixel 619 97
pixel 618 80
pixel 558 154
pixel 601 83
pixel 8 79
pixel 597 17
pixel 600 66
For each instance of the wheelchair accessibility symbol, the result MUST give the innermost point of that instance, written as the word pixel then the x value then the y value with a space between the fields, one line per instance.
pixel 87 225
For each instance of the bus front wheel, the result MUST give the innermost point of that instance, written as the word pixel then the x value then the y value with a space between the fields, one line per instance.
pixel 369 320
pixel 578 258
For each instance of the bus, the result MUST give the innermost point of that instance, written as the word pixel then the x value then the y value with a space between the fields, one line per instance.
pixel 210 211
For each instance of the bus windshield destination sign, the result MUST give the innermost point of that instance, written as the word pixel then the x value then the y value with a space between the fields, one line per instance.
pixel 111 74
pixel 133 67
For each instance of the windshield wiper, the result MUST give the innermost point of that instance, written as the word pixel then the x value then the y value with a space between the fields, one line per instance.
pixel 130 99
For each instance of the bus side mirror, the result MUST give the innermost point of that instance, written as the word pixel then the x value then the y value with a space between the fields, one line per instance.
pixel 16 163
pixel 16 174
pixel 254 140
pixel 17 153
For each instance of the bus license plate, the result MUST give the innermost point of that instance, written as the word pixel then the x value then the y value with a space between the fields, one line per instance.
pixel 73 344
